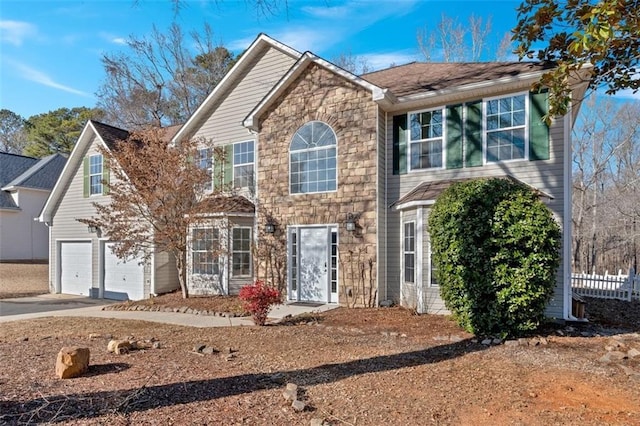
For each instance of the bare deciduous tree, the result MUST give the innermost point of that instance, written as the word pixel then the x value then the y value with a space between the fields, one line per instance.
pixel 606 154
pixel 156 192
pixel 452 41
pixel 159 81
pixel 357 65
pixel 13 135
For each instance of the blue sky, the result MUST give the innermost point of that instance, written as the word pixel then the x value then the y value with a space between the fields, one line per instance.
pixel 50 50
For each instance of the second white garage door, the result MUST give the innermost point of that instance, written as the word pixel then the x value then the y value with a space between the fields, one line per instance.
pixel 122 280
pixel 75 268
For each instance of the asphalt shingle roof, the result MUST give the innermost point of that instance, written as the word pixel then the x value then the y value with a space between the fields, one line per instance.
pixel 419 77
pixel 27 172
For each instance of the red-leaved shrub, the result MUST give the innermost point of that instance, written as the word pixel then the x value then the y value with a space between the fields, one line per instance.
pixel 257 299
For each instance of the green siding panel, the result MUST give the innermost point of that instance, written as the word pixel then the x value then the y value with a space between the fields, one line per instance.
pixel 105 176
pixel 454 137
pixel 228 166
pixel 85 177
pixel 473 134
pixel 538 129
pixel 400 136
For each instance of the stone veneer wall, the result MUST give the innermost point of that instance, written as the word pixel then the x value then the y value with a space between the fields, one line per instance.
pixel 318 94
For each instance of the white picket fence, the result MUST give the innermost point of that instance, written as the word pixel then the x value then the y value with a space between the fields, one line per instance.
pixel 623 287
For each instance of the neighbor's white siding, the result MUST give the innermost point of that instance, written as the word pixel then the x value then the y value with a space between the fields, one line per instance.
pixel 22 238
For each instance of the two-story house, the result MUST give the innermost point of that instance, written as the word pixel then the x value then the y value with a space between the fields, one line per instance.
pixel 342 169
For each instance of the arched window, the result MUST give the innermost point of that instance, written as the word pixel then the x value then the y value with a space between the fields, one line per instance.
pixel 313 159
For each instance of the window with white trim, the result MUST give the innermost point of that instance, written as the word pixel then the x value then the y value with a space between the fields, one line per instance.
pixel 506 128
pixel 426 141
pixel 204 160
pixel 95 174
pixel 241 252
pixel 243 161
pixel 313 159
pixel 409 252
pixel 205 251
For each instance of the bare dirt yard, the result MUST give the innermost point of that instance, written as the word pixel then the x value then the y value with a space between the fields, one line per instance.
pixel 23 279
pixel 351 366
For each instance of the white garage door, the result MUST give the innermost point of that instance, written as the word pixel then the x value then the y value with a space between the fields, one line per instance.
pixel 122 279
pixel 75 268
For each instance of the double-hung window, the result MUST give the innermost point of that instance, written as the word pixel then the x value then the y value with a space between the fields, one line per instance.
pixel 95 174
pixel 205 162
pixel 205 251
pixel 426 139
pixel 506 128
pixel 241 252
pixel 243 160
pixel 409 252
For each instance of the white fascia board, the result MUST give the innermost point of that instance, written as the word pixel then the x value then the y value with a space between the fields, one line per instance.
pixel 415 204
pixel 229 78
pixel 378 94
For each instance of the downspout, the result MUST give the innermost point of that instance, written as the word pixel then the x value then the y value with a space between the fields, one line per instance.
pixel 566 218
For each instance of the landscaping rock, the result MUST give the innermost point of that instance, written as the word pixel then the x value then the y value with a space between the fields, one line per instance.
pixel 72 362
pixel 633 353
pixel 119 347
pixel 298 406
pixel 209 350
pixel 291 392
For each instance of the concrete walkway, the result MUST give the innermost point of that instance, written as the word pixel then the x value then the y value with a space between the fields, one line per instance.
pixel 277 313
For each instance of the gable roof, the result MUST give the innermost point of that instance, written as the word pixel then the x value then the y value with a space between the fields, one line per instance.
pixel 378 94
pixel 261 43
pixel 106 135
pixel 17 171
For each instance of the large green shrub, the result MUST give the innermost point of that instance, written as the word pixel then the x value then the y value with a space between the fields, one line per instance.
pixel 496 249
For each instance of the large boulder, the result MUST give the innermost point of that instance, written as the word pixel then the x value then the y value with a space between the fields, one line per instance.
pixel 72 362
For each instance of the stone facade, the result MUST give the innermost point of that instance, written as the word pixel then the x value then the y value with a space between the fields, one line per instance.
pixel 318 94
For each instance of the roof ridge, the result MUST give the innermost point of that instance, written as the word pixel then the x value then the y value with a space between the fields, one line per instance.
pixel 17 155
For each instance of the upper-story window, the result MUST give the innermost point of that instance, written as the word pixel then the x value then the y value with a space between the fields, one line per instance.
pixel 205 162
pixel 243 160
pixel 426 139
pixel 95 174
pixel 506 128
pixel 313 159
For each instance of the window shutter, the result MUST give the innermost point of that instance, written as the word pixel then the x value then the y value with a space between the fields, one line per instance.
pixel 400 137
pixel 473 135
pixel 85 176
pixel 454 137
pixel 105 176
pixel 538 129
pixel 228 166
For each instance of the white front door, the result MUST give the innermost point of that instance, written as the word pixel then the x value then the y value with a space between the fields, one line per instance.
pixel 313 264
pixel 123 279
pixel 75 268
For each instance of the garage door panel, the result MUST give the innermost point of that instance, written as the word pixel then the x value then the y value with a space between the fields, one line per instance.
pixel 75 268
pixel 123 279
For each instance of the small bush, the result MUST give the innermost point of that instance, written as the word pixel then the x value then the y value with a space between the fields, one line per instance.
pixel 496 248
pixel 257 299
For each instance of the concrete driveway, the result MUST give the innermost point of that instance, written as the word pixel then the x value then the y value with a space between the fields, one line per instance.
pixel 47 303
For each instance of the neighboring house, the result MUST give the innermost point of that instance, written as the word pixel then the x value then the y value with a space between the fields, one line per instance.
pixel 81 260
pixel 25 184
pixel 340 171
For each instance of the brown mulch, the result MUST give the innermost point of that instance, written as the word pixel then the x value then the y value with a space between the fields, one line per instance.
pixel 174 300
pixel 23 279
pixel 352 366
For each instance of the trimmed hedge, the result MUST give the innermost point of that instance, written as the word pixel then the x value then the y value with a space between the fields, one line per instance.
pixel 497 249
